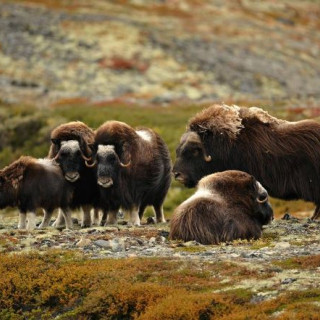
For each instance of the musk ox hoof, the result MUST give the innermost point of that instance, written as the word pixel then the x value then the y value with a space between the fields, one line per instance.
pixel 151 220
pixel 85 225
pixel 286 216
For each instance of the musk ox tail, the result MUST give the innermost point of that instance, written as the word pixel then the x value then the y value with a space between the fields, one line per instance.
pixel 193 223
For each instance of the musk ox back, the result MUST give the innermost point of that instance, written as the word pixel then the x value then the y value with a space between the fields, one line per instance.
pixel 284 156
pixel 71 147
pixel 133 170
pixel 227 205
pixel 30 184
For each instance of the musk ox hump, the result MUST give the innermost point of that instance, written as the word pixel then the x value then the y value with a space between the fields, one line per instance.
pixel 263 116
pixel 14 172
pixel 219 119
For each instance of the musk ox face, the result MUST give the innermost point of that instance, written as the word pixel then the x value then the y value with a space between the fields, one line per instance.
pixel 71 159
pixel 7 193
pixel 108 165
pixel 192 161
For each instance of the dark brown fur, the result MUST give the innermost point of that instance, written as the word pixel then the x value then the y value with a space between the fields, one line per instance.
pixel 86 191
pixel 29 185
pixel 230 212
pixel 283 155
pixel 146 180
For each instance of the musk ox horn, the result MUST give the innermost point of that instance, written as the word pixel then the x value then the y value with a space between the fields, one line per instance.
pixel 125 165
pixel 57 155
pixel 90 165
pixel 195 138
pixel 265 199
pixel 206 157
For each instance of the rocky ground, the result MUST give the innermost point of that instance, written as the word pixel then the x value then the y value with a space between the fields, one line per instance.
pixel 282 241
pixel 151 52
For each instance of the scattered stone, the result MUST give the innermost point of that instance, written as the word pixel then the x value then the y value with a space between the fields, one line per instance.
pixel 102 243
pixel 288 280
pixel 151 220
pixel 83 242
pixel 282 245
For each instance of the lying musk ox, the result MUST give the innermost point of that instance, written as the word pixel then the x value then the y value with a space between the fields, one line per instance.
pixel 30 184
pixel 227 206
pixel 284 156
pixel 133 170
pixel 71 147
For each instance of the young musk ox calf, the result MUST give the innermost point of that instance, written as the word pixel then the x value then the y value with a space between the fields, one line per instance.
pixel 71 147
pixel 227 206
pixel 284 156
pixel 30 184
pixel 133 170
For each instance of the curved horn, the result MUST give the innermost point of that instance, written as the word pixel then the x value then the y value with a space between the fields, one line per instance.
pixel 90 165
pixel 125 165
pixel 206 157
pixel 84 157
pixel 263 200
pixel 57 155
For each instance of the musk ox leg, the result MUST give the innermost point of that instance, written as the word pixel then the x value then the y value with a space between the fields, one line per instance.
pixel 60 222
pixel 86 217
pixel 96 217
pixel 22 220
pixel 67 218
pixel 47 214
pixel 159 214
pixel 316 213
pixel 112 217
pixel 103 220
pixel 31 221
pixel 142 208
pixel 134 217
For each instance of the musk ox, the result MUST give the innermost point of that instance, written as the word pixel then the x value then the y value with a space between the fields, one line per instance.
pixel 133 170
pixel 284 156
pixel 227 206
pixel 71 147
pixel 30 184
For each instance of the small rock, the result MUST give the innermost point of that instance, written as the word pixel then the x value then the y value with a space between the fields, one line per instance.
pixel 288 280
pixel 190 244
pixel 282 245
pixel 102 243
pixel 83 242
pixel 152 240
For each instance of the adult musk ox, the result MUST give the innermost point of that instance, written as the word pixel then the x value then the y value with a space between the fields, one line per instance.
pixel 30 184
pixel 284 156
pixel 133 170
pixel 71 147
pixel 227 206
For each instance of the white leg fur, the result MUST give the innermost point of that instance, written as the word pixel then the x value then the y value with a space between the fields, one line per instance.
pixel 158 212
pixel 112 217
pixel 22 220
pixel 67 218
pixel 96 217
pixel 134 217
pixel 86 218
pixel 31 221
pixel 46 219
pixel 60 222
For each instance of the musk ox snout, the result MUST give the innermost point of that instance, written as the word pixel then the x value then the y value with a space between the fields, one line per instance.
pixel 72 176
pixel 105 182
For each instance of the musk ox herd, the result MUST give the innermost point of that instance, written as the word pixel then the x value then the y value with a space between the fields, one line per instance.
pixel 234 156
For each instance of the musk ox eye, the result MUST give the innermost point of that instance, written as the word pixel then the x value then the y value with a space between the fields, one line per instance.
pixel 195 152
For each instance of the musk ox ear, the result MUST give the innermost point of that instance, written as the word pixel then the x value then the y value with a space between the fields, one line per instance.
pixel 85 149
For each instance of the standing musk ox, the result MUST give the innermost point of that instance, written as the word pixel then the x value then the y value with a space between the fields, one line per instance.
pixel 71 147
pixel 284 156
pixel 133 170
pixel 30 184
pixel 227 206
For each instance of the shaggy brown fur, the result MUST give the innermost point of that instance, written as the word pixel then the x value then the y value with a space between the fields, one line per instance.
pixel 73 165
pixel 283 155
pixel 225 207
pixel 146 179
pixel 30 184
pixel 74 130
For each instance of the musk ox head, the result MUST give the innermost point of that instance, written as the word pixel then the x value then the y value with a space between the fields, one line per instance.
pixel 108 165
pixel 8 191
pixel 72 156
pixel 207 143
pixel 192 160
pixel 227 205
